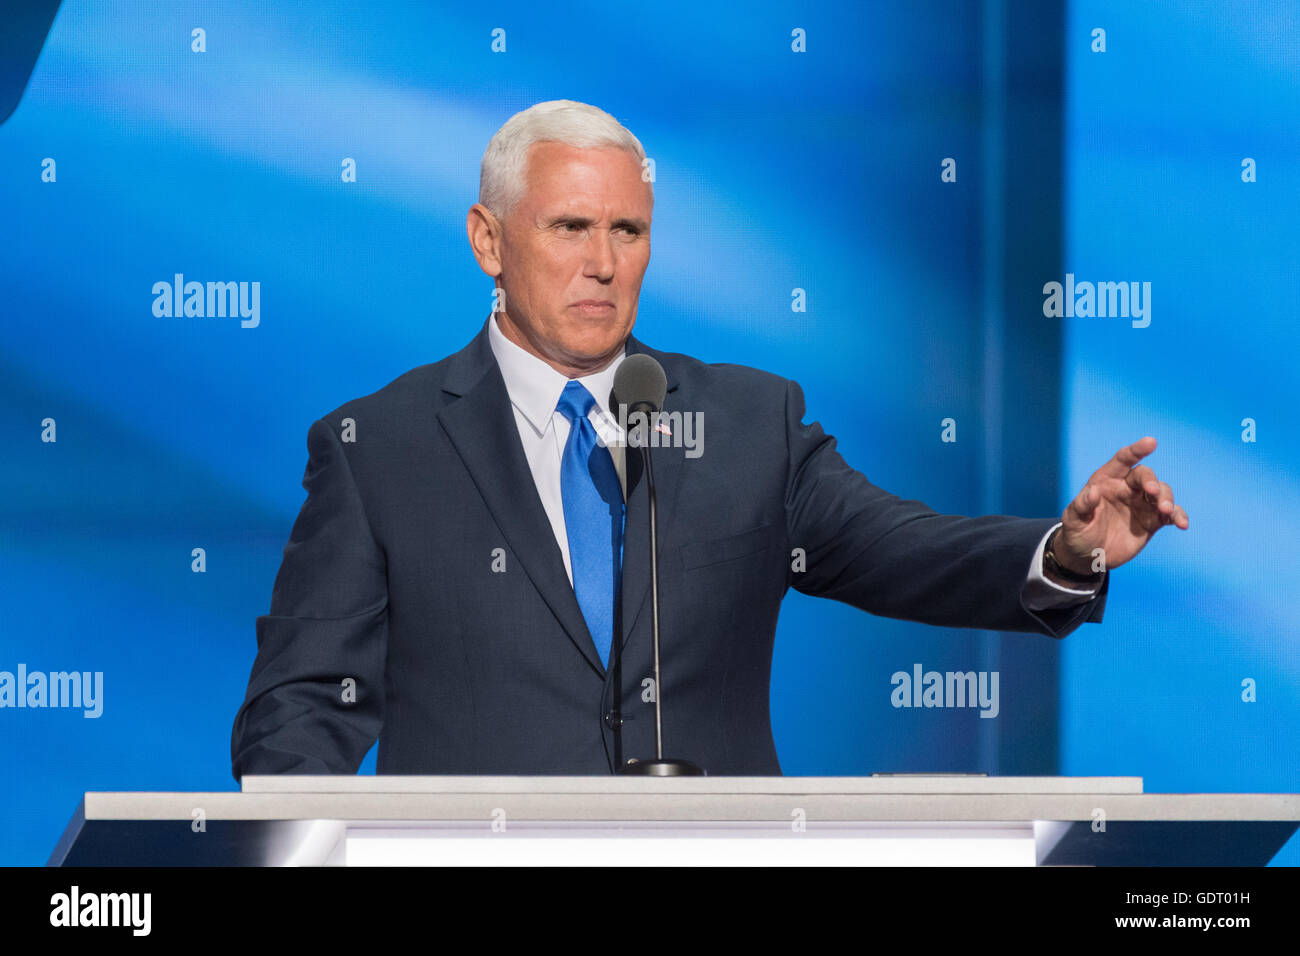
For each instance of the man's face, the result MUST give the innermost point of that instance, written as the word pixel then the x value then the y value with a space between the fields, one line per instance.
pixel 572 254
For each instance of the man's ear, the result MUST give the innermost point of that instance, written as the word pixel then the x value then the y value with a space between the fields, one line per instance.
pixel 484 230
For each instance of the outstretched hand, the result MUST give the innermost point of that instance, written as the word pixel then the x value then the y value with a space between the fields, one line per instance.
pixel 1119 510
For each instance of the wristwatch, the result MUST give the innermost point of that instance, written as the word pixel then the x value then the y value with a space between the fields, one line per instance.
pixel 1051 564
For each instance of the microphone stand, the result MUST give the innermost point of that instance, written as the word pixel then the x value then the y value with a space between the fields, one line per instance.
pixel 659 767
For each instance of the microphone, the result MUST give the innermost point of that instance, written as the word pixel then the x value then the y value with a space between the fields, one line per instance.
pixel 640 386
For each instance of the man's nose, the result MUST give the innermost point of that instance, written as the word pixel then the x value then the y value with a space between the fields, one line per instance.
pixel 600 254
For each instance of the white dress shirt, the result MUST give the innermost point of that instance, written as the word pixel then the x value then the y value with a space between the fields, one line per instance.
pixel 535 388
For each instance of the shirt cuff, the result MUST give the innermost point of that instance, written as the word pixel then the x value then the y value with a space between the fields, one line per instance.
pixel 1041 594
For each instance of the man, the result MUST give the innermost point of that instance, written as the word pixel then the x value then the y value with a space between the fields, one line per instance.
pixel 468 578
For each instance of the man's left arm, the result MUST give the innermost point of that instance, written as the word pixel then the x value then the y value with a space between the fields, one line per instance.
pixel 899 558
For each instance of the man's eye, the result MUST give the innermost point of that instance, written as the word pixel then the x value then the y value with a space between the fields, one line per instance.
pixel 566 225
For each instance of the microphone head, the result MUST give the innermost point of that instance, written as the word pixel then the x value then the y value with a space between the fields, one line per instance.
pixel 640 384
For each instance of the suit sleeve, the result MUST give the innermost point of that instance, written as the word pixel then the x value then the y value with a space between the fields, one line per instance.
pixel 898 558
pixel 315 696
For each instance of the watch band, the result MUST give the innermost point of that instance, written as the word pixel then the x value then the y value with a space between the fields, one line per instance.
pixel 1055 566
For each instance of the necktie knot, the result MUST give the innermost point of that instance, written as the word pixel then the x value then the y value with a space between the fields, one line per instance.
pixel 575 401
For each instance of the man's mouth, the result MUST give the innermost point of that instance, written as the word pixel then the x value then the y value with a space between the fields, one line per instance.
pixel 593 306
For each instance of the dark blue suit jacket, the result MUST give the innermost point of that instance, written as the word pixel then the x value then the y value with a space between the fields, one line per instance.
pixel 388 579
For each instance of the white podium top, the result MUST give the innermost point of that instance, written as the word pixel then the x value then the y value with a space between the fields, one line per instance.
pixel 1069 820
pixel 877 783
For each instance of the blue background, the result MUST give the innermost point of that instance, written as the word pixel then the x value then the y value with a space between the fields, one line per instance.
pixel 775 171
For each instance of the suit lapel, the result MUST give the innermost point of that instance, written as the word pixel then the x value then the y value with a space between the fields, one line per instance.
pixel 481 426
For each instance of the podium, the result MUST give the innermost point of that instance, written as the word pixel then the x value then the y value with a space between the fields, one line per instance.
pixel 765 821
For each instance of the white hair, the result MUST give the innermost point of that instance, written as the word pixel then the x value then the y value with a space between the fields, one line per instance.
pixel 503 174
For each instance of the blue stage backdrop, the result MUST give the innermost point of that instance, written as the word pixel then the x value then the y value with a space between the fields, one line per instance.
pixel 1183 171
pixel 867 198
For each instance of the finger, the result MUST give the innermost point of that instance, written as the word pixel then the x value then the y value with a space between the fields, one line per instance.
pixel 1085 502
pixel 1179 518
pixel 1143 479
pixel 1157 510
pixel 1154 493
pixel 1165 499
pixel 1127 457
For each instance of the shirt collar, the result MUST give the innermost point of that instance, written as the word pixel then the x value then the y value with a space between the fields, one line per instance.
pixel 535 388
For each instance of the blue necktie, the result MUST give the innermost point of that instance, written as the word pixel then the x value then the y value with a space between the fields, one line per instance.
pixel 593 517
